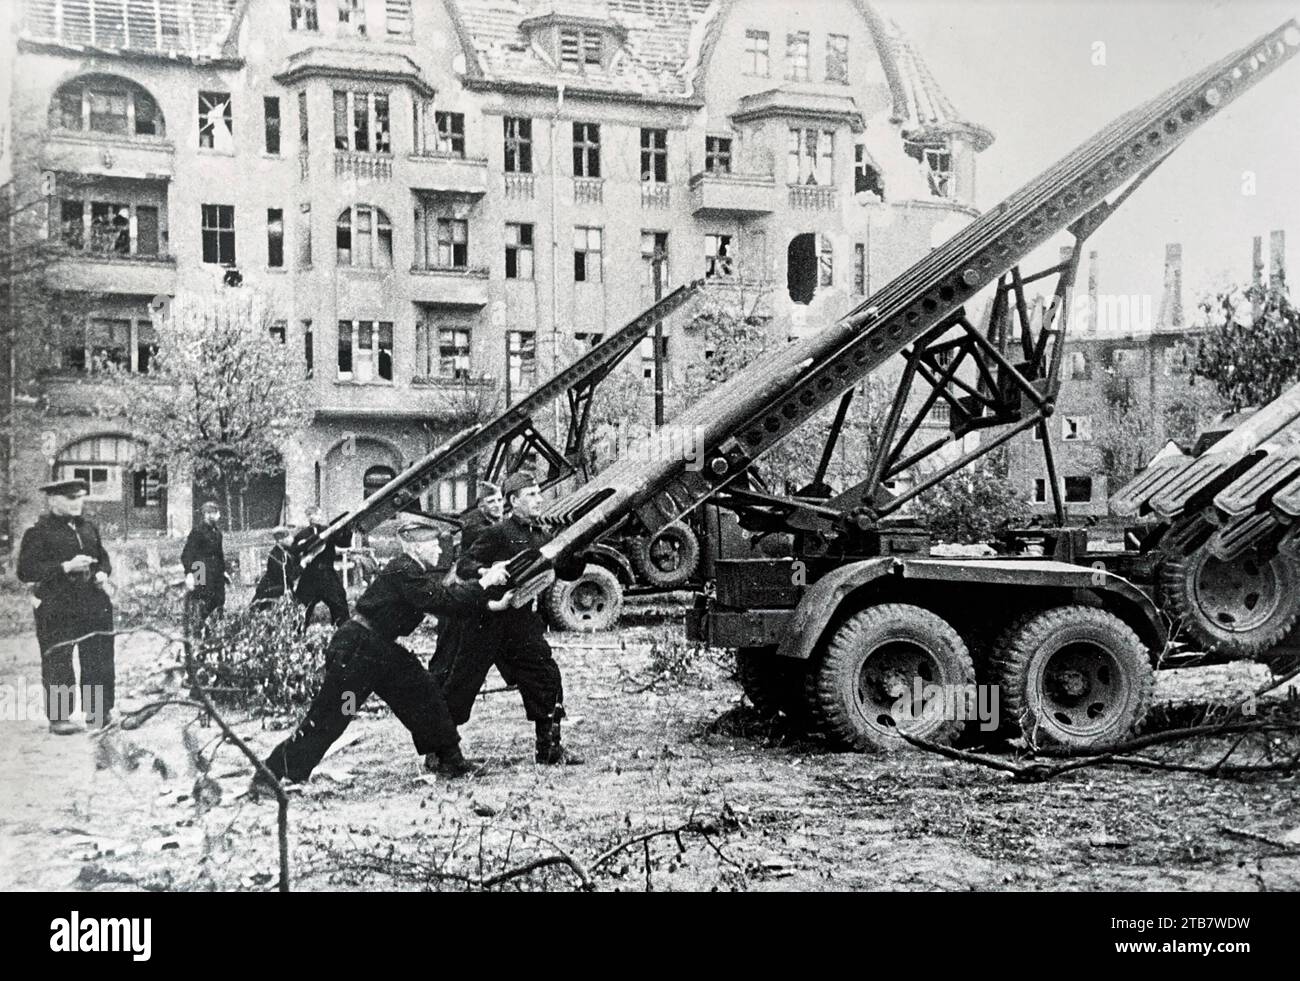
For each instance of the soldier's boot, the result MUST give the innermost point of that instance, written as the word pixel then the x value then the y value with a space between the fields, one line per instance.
pixel 549 750
pixel 449 763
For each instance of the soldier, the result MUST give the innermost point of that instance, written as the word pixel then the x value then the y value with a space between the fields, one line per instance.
pixel 364 657
pixel 517 638
pixel 320 581
pixel 456 633
pixel 204 560
pixel 281 571
pixel 63 556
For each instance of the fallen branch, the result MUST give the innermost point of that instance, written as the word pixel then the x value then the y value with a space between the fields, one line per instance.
pixel 1262 839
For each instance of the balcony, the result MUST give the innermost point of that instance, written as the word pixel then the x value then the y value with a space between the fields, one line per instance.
pixel 810 197
pixel 111 272
pixel 520 187
pixel 447 174
pixel 144 159
pixel 718 194
pixel 363 166
pixel 449 287
pixel 588 190
pixel 655 196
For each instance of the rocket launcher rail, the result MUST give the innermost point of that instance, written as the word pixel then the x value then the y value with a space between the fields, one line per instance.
pixel 748 414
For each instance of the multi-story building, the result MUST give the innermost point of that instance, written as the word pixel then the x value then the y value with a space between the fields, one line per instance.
pixel 449 195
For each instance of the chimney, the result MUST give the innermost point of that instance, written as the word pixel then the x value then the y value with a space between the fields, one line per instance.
pixel 1276 257
pixel 1256 277
pixel 1171 303
pixel 1092 291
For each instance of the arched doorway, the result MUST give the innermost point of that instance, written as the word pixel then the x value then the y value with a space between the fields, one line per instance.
pixel 801 267
pixel 123 499
pixel 350 469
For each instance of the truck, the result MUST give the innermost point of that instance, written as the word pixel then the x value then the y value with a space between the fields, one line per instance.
pixel 856 629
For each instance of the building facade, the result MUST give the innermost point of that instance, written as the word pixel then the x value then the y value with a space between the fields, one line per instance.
pixel 447 197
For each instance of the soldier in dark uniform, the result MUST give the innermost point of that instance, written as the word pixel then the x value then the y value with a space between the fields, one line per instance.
pixel 62 555
pixel 204 560
pixel 281 571
pixel 517 638
pixel 364 657
pixel 320 581
pixel 457 633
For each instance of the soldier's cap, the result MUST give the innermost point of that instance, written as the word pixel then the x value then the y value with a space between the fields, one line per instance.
pixel 516 482
pixel 281 531
pixel 486 491
pixel 65 488
pixel 422 527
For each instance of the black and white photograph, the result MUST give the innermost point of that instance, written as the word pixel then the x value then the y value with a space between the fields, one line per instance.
pixel 651 446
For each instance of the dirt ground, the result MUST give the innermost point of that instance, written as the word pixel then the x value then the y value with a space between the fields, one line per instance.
pixel 766 812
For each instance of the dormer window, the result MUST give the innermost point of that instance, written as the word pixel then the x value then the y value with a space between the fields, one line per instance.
pixel 581 49
pixel 936 164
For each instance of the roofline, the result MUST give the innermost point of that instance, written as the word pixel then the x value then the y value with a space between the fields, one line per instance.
pixel 487 83
pixel 473 67
pixel 81 50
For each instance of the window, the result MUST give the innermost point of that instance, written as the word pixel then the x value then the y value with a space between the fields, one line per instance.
pixel 717 155
pixel 303 16
pixel 521 350
pixel 271 112
pixel 825 261
pixel 123 228
pixel 647 349
pixel 654 246
pixel 1040 490
pixel 1078 490
pixel 1079 368
pixel 811 157
pixel 451 496
pixel 361 122
pixel 451 133
pixel 837 58
pixel 519 251
pixel 587 339
pixel 581 49
pixel 146 346
pixel 303 131
pixel 936 163
pixel 352 17
pixel 796 56
pixel 756 53
pixel 397 18
pixel 216 122
pixel 941 413
pixel 280 331
pixel 453 243
pixel 586 255
pixel 101 343
pixel 105 104
pixel 108 112
pixel 453 353
pixel 859 269
pixel 219 234
pixel 519 145
pixel 102 482
pixel 308 349
pixel 719 260
pixel 364 238
pixel 654 155
pixel 365 351
pixel 275 238
pixel 586 150
pixel 866 175
pixel 441 239
pixel 1076 428
pixel 147 488
pixel 304 236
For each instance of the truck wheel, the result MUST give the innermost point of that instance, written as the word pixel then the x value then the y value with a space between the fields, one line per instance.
pixel 864 690
pixel 773 684
pixel 669 558
pixel 1075 677
pixel 587 604
pixel 1240 608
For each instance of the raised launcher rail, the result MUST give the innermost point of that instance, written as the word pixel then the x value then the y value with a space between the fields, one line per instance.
pixel 512 428
pixel 767 401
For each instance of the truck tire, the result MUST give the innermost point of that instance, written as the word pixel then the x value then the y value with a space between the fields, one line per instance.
pixel 772 684
pixel 861 692
pixel 668 558
pixel 1075 677
pixel 1239 608
pixel 589 603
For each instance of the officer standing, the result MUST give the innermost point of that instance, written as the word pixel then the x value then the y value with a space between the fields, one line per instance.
pixel 517 638
pixel 320 581
pixel 281 570
pixel 62 555
pixel 364 657
pixel 204 559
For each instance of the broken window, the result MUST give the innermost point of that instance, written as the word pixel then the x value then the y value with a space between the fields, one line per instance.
pixel 654 156
pixel 719 257
pixel 647 349
pixel 451 133
pixel 216 122
pixel 796 56
pixel 825 261
pixel 519 145
pixel 365 351
pixel 587 252
pixel 521 349
pixel 717 155
pixel 654 248
pixel 811 157
pixel 1076 428
pixel 802 264
pixel 352 17
pixel 519 251
pixel 936 164
pixel 866 175
pixel 361 122
pixel 108 112
pixel 453 353
pixel 397 18
pixel 837 58
pixel 275 237
pixel 110 227
pixel 364 238
pixel 1078 490
pixel 859 269
pixel 219 234
pixel 757 46
pixel 586 149
pixel 304 236
pixel 453 243
pixel 303 15
pixel 114 107
pixel 1079 368
pixel 279 331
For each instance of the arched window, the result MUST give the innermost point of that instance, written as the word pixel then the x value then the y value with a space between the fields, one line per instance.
pixel 106 104
pixel 376 478
pixel 364 238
